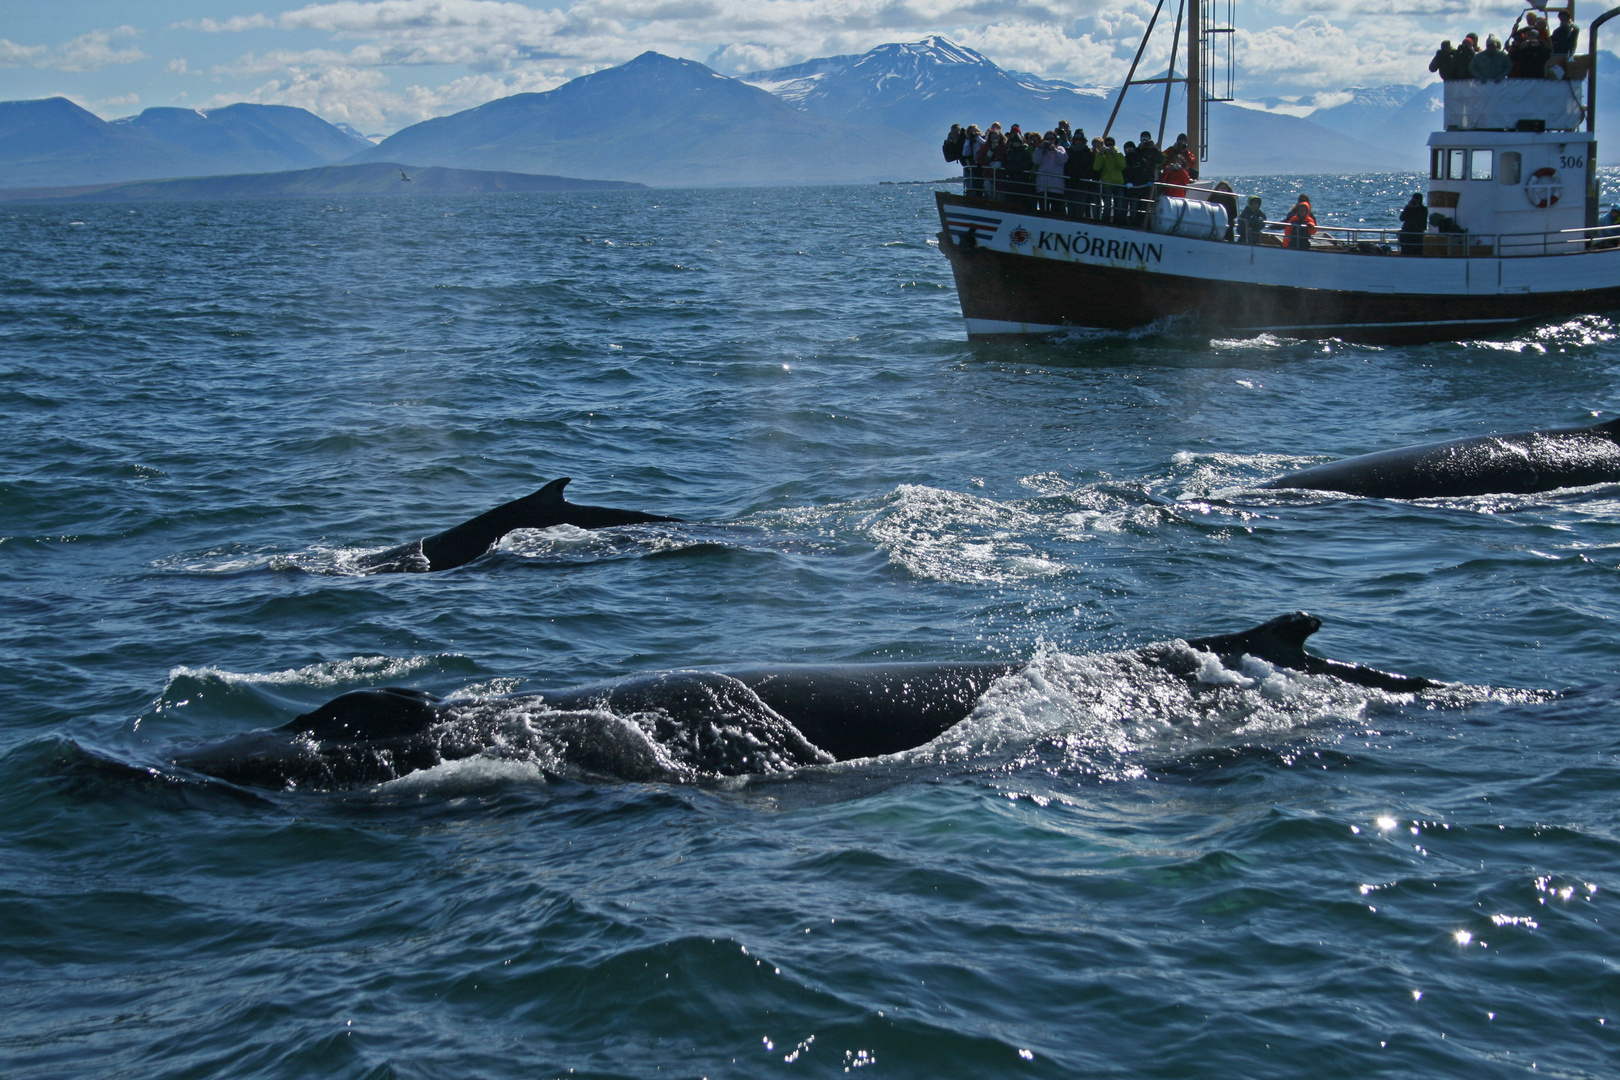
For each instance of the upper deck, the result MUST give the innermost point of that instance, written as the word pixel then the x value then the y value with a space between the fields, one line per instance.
pixel 1528 105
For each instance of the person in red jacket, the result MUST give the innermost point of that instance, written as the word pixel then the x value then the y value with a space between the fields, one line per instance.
pixel 1301 224
pixel 1189 156
pixel 1174 178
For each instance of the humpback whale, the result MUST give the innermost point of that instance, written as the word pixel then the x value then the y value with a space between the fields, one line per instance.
pixel 467 541
pixel 1520 463
pixel 746 720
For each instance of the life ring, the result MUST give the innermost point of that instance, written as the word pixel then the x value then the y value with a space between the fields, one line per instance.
pixel 1544 188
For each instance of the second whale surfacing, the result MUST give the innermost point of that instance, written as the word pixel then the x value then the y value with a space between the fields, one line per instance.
pixel 1518 463
pixel 730 722
pixel 465 542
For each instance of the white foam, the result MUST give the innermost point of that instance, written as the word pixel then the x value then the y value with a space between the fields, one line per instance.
pixel 334 673
pixel 467 776
pixel 1111 713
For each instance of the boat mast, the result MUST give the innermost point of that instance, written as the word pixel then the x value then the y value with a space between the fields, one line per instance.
pixel 1591 71
pixel 1187 7
pixel 1203 30
pixel 1592 192
pixel 1195 79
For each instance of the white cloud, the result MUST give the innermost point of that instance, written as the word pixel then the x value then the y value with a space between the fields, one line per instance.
pixel 95 50
pixel 361 96
pixel 14 55
pixel 87 52
pixel 460 53
pixel 1049 52
pixel 235 24
pixel 1315 54
pixel 121 101
pixel 177 67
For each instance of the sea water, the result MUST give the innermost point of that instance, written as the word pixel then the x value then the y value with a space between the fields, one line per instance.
pixel 212 409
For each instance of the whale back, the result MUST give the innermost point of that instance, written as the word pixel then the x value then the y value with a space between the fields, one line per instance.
pixel 760 719
pixel 1516 463
pixel 385 713
pixel 867 710
pixel 843 711
pixel 362 737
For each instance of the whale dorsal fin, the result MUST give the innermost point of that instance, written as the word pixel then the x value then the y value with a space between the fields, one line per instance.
pixel 552 492
pixel 1280 640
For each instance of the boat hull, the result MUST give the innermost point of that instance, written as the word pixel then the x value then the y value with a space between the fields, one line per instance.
pixel 1022 274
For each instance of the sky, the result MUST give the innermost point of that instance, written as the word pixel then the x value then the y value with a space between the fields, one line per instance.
pixel 380 65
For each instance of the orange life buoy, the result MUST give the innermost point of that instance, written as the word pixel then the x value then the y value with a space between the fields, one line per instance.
pixel 1544 188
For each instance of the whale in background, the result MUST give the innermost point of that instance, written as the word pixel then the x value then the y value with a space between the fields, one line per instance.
pixel 1520 463
pixel 467 541
pixel 747 720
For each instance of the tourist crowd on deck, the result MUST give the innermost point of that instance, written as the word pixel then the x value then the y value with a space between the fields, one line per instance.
pixel 1533 51
pixel 1061 171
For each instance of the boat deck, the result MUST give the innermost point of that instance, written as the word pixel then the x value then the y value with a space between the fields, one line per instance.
pixel 1135 213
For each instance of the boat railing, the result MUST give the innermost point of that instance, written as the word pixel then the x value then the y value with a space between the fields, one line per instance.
pixel 1126 206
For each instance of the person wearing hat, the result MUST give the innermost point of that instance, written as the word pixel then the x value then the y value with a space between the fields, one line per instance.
pixel 1565 43
pixel 989 158
pixel 972 143
pixel 1252 222
pixel 1174 177
pixel 1189 156
pixel 1492 65
pixel 1224 197
pixel 1414 220
pixel 1109 164
pixel 1148 150
pixel 1444 62
pixel 1050 156
pixel 1079 178
pixel 1301 224
pixel 1462 58
pixel 1018 171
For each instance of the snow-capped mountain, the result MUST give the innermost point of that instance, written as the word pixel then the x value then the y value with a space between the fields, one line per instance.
pixel 1365 110
pixel 792 83
pixel 662 121
pixel 927 86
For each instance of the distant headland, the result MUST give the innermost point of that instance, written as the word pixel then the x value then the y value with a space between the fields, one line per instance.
pixel 330 181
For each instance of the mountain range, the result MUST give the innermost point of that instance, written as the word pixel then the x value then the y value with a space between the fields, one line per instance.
pixel 661 121
pixel 53 143
pixel 667 122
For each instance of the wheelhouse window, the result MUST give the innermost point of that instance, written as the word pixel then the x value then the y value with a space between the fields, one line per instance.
pixel 1480 168
pixel 1437 164
pixel 1456 165
pixel 1509 173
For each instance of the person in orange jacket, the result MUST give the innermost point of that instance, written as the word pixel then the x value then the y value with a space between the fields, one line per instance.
pixel 1301 224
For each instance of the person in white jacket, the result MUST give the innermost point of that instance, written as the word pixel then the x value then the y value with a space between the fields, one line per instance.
pixel 1050 157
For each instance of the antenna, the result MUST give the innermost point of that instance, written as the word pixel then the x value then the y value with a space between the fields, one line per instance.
pixel 1216 65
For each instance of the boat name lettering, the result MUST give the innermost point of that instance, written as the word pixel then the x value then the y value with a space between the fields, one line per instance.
pixel 1083 243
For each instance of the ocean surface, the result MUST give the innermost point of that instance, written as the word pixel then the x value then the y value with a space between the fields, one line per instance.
pixel 213 410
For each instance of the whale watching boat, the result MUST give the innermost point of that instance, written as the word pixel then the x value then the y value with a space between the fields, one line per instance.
pixel 1512 181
